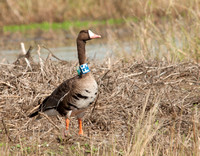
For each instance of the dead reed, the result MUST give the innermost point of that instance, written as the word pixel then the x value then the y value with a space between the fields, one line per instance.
pixel 23 11
pixel 143 108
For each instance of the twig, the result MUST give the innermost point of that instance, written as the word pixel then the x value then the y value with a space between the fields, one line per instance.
pixel 24 52
pixel 40 59
pixel 5 64
pixel 53 54
pixel 6 130
pixel 102 77
pixel 28 53
pixel 9 96
pixel 8 84
pixel 95 103
pixel 135 74
pixel 35 108
pixel 3 60
pixel 49 120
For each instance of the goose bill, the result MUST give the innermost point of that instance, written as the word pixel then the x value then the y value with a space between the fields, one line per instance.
pixel 93 35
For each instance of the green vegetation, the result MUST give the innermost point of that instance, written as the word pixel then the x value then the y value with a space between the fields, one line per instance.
pixel 66 25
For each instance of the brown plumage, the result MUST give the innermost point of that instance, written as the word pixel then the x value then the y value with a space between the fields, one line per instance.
pixel 74 95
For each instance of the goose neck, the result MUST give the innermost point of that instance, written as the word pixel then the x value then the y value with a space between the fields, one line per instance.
pixel 81 51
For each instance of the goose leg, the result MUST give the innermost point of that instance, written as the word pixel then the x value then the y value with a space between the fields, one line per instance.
pixel 80 126
pixel 67 124
pixel 67 121
pixel 79 117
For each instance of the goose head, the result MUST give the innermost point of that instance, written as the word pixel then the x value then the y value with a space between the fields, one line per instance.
pixel 85 35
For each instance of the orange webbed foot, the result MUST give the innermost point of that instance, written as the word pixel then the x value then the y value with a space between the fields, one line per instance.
pixel 66 133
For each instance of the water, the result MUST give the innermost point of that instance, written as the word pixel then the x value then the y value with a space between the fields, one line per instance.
pixel 94 51
pixel 97 51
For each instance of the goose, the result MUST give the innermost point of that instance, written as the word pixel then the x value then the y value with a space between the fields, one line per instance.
pixel 75 95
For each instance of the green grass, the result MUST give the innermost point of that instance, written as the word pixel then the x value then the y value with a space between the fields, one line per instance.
pixel 66 25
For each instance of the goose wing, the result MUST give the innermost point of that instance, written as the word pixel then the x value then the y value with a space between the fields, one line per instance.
pixel 52 101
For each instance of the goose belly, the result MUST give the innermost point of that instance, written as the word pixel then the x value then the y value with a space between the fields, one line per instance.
pixel 85 96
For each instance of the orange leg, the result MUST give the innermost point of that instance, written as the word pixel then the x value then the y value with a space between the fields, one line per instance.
pixel 67 124
pixel 80 127
pixel 67 127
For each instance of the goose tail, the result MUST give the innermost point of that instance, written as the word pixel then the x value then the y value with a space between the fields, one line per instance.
pixel 33 114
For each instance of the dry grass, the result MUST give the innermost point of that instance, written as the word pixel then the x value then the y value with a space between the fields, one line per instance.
pixel 148 101
pixel 30 11
pixel 143 108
